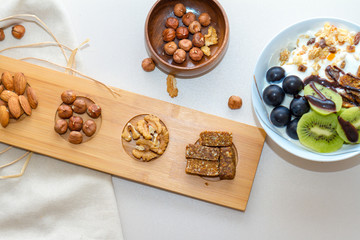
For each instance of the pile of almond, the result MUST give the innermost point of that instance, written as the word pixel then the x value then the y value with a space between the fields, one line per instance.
pixel 17 97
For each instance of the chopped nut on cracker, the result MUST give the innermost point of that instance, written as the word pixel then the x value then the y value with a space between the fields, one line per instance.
pixel 171 86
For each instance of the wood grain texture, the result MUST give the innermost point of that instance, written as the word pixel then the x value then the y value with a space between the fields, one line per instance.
pixel 105 152
pixel 155 25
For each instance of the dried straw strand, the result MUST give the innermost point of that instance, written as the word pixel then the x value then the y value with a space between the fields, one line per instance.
pixel 22 169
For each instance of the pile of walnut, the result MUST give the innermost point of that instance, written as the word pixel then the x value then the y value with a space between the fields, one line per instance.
pixel 198 46
pixel 73 104
pixel 17 97
pixel 151 136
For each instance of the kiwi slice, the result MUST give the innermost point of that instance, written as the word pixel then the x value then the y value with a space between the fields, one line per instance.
pixel 322 100
pixel 318 132
pixel 351 116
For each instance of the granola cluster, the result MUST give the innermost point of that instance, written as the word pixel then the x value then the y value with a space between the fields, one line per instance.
pixel 330 45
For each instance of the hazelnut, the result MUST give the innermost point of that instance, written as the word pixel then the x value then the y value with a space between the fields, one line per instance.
pixel 18 31
pixel 198 40
pixel 89 127
pixel 235 102
pixel 75 123
pixel 2 34
pixel 185 44
pixel 172 22
pixel 182 33
pixel 148 65
pixel 205 19
pixel 75 137
pixel 168 35
pixel 194 27
pixel 68 96
pixel 61 126
pixel 94 111
pixel 64 111
pixel 196 54
pixel 188 18
pixel 170 48
pixel 179 56
pixel 79 106
pixel 179 10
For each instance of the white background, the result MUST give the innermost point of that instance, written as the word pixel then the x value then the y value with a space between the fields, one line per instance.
pixel 291 198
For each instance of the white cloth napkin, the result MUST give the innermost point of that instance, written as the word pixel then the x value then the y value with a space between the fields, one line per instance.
pixel 53 199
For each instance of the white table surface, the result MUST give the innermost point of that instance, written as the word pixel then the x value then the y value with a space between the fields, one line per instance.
pixel 291 198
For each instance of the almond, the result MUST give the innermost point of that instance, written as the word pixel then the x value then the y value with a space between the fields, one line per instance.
pixel 6 95
pixel 8 81
pixel 14 107
pixel 19 83
pixel 3 103
pixel 24 103
pixel 4 116
pixel 1 88
pixel 33 101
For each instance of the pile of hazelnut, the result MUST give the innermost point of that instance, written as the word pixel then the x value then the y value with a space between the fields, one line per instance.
pixel 72 105
pixel 17 31
pixel 191 25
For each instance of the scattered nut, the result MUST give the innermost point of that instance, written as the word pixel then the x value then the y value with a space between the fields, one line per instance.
pixel 8 81
pixel 4 116
pixel 148 65
pixel 94 111
pixel 194 27
pixel 179 10
pixel 332 49
pixel 64 111
pixel 302 68
pixel 235 102
pixel 154 122
pixel 89 127
pixel 33 101
pixel 350 49
pixel 171 86
pixel 61 126
pixel 343 64
pixel 185 44
pixel 18 31
pixel 143 128
pixel 182 33
pixel 172 22
pixel 357 39
pixel 206 50
pixel 144 155
pixel 75 123
pixel 196 54
pixel 2 34
pixel 25 105
pixel 19 83
pixel 79 106
pixel 130 129
pixel 179 56
pixel 211 38
pixel 188 18
pixel 205 19
pixel 14 107
pixel 198 40
pixel 170 48
pixel 168 34
pixel 68 96
pixel 75 137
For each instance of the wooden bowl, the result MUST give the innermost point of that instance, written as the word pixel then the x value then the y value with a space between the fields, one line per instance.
pixel 155 25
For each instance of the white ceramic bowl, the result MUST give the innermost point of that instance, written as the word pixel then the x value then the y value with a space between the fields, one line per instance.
pixel 267 59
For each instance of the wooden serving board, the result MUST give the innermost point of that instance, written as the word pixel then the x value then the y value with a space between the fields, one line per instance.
pixel 105 152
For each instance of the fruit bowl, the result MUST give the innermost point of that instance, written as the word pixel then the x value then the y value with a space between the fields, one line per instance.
pixel 155 25
pixel 270 57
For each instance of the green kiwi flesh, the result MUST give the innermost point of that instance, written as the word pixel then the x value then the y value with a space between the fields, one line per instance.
pixel 328 93
pixel 318 132
pixel 352 115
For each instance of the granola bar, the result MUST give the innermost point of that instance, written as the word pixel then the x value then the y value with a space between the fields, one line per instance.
pixel 227 167
pixel 202 152
pixel 202 167
pixel 215 139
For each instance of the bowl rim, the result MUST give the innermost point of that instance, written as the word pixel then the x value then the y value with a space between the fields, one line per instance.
pixel 281 141
pixel 212 59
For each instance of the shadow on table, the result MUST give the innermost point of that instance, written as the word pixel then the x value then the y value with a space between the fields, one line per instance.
pixel 312 165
